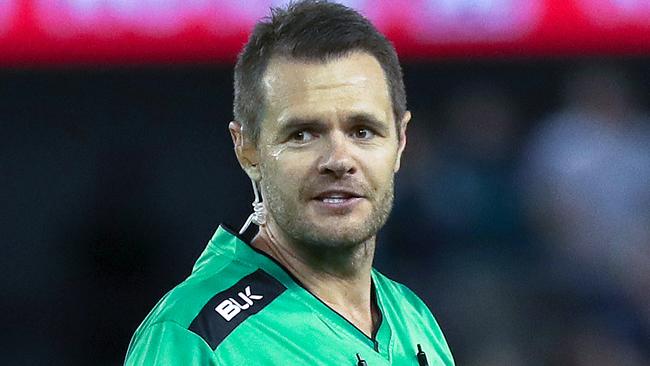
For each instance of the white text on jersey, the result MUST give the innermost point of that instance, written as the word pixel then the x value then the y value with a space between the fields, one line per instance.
pixel 229 308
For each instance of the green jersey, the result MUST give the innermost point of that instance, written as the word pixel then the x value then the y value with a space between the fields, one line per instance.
pixel 241 307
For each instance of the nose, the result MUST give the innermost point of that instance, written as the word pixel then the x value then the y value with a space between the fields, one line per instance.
pixel 336 159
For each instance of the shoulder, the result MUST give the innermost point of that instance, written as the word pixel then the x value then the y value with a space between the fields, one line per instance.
pixel 182 303
pixel 412 314
pixel 398 292
pixel 168 343
pixel 403 301
pixel 209 307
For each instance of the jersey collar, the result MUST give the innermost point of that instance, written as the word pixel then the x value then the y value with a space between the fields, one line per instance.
pixel 227 241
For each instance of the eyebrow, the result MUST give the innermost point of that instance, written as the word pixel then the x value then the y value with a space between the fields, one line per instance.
pixel 361 118
pixel 370 121
pixel 293 124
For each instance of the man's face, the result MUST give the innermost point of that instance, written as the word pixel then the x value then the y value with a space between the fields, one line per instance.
pixel 328 149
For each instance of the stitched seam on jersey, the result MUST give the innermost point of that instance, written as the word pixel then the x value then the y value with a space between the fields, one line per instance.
pixel 211 273
pixel 161 322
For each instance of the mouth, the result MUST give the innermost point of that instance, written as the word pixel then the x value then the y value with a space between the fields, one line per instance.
pixel 334 196
pixel 337 201
pixel 334 199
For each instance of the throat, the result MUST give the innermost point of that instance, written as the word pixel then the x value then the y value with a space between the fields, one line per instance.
pixel 366 318
pixel 340 278
pixel 349 263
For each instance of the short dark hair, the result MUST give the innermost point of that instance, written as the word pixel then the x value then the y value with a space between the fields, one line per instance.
pixel 309 30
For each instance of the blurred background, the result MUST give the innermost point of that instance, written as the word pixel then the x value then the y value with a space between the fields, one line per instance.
pixel 522 213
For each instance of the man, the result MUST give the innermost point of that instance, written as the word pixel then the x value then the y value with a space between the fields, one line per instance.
pixel 320 127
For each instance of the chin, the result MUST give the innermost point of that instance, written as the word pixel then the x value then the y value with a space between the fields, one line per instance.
pixel 340 232
pixel 318 229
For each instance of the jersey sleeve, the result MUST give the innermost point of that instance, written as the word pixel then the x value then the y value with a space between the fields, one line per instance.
pixel 169 344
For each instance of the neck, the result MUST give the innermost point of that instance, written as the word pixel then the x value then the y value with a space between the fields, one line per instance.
pixel 340 277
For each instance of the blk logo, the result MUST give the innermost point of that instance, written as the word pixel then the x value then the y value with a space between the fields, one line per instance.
pixel 230 307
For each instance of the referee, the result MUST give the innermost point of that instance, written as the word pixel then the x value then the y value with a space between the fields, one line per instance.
pixel 320 126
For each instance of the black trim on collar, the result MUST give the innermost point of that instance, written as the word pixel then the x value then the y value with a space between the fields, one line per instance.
pixel 373 289
pixel 235 233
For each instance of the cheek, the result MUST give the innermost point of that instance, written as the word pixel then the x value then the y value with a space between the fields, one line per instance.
pixel 292 166
pixel 275 152
pixel 380 167
pixel 286 172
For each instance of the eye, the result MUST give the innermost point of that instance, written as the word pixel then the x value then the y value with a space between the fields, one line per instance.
pixel 301 136
pixel 363 134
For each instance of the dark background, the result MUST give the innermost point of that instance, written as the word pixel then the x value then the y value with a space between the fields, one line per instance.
pixel 114 179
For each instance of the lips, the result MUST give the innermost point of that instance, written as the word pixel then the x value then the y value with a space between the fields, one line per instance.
pixel 337 196
pixel 337 201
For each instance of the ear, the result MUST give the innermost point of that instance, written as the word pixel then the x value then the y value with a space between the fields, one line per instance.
pixel 245 151
pixel 402 139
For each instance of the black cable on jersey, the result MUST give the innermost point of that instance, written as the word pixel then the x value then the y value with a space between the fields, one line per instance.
pixel 422 357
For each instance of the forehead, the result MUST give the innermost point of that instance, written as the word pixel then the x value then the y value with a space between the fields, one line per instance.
pixel 349 84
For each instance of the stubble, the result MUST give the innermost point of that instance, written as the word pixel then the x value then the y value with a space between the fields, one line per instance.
pixel 288 213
